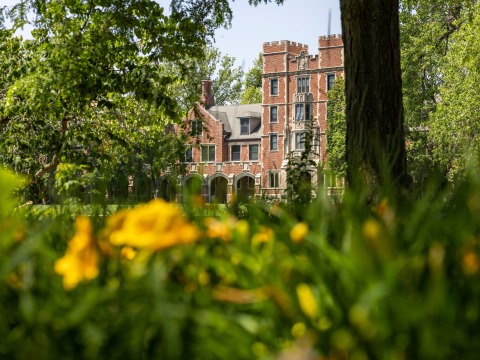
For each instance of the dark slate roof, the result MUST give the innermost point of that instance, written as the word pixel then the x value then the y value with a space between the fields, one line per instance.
pixel 229 115
pixel 222 117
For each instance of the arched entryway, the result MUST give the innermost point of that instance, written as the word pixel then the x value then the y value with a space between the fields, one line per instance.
pixel 245 187
pixel 218 189
pixel 193 186
pixel 167 188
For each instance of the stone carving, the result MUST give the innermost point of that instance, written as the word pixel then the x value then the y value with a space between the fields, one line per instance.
pixel 299 125
pixel 303 61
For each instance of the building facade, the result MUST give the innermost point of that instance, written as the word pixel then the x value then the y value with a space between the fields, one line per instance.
pixel 242 150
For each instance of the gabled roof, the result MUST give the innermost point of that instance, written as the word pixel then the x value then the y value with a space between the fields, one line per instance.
pixel 229 115
pixel 222 117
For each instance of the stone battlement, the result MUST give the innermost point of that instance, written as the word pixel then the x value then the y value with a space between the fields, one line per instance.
pixel 330 37
pixel 333 40
pixel 287 46
pixel 284 43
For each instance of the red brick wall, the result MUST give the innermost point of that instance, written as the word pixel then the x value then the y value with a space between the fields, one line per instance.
pixel 280 60
pixel 212 134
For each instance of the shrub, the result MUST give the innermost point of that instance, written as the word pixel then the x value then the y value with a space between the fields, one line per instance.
pixel 340 281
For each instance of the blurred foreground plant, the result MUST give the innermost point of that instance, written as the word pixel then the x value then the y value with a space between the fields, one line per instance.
pixel 334 281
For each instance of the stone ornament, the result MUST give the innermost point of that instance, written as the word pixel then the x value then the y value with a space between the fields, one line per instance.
pixel 303 61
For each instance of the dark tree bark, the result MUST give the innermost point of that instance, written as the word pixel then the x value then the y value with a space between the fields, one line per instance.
pixel 376 154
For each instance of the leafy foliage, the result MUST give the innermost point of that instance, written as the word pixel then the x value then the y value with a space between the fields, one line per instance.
pixel 343 282
pixel 252 93
pixel 454 127
pixel 431 32
pixel 226 78
pixel 94 77
pixel 300 169
pixel 336 128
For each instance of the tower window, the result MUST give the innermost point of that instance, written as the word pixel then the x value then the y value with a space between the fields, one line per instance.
pixel 274 87
pixel 330 81
pixel 273 114
pixel 273 142
pixel 303 84
pixel 300 141
pixel 302 112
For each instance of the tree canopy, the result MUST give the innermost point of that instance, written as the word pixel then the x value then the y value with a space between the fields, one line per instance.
pixel 438 65
pixel 252 92
pixel 226 78
pixel 455 125
pixel 64 92
pixel 337 128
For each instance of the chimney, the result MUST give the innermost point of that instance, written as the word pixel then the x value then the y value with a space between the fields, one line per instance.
pixel 207 98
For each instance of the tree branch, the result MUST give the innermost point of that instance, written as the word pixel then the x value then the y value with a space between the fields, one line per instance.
pixel 452 28
pixel 47 168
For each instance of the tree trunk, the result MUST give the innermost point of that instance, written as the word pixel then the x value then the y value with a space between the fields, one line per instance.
pixel 376 155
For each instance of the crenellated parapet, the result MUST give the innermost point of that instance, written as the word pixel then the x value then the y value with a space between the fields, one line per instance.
pixel 284 46
pixel 327 41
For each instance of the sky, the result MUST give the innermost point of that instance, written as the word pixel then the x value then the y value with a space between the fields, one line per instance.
pixel 301 21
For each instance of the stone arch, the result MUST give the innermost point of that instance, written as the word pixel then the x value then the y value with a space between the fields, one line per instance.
pixel 167 188
pixel 244 186
pixel 190 176
pixel 194 185
pixel 218 188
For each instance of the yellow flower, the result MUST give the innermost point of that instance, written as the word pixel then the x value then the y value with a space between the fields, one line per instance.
pixel 298 330
pixel 242 229
pixel 203 278
pixel 80 261
pixel 115 221
pixel 220 229
pixel 156 225
pixel 371 229
pixel 264 235
pixel 128 252
pixel 471 264
pixel 276 210
pixel 298 232
pixel 307 301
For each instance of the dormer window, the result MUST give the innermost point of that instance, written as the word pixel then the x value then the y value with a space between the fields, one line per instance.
pixel 303 84
pixel 250 123
pixel 244 126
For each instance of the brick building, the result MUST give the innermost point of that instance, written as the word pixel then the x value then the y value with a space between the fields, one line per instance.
pixel 243 149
